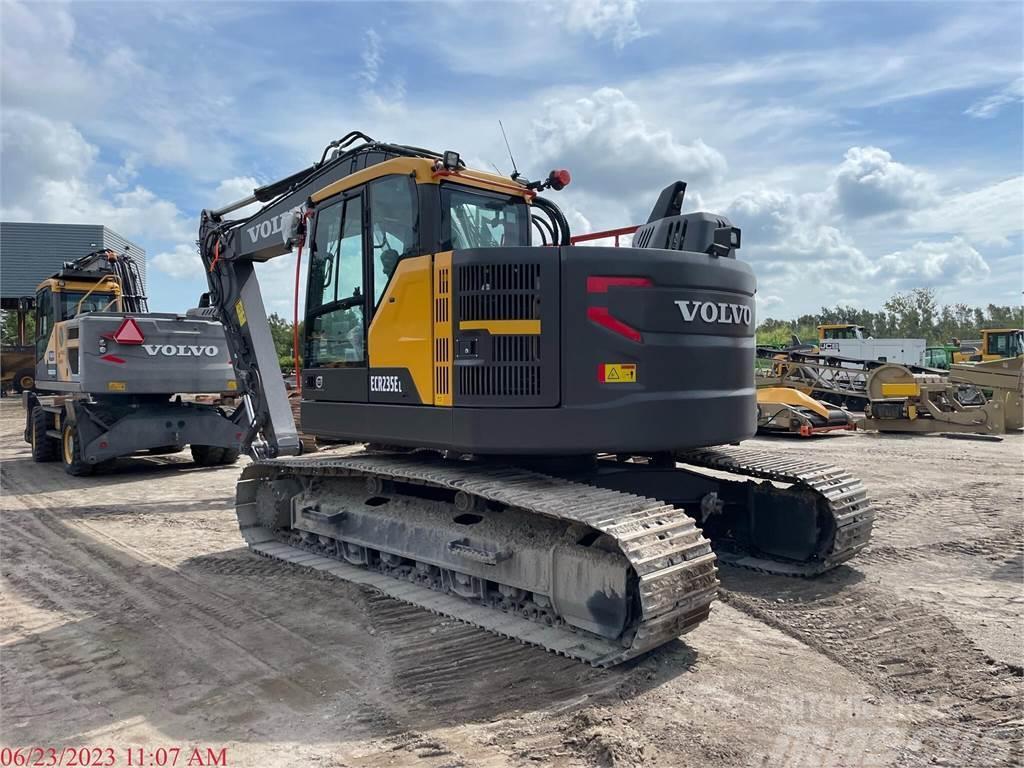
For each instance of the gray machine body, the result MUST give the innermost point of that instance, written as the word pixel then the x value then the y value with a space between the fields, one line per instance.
pixel 177 355
pixel 122 396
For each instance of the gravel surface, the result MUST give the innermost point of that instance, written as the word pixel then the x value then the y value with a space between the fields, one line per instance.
pixel 131 617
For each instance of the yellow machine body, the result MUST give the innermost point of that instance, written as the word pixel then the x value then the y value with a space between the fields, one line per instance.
pixel 54 311
pixel 788 410
pixel 840 331
pixel 791 396
pixel 902 401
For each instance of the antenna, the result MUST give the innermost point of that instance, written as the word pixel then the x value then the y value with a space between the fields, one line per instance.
pixel 515 171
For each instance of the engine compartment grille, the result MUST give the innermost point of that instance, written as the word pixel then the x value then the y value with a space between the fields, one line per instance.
pixel 499 292
pixel 497 363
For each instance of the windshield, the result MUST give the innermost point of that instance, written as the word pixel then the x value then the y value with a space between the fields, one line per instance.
pixel 477 219
pixel 96 302
pixel 1006 344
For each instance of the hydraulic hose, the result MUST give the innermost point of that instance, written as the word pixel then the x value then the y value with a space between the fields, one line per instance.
pixel 558 221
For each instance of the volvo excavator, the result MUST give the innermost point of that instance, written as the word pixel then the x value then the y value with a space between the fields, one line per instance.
pixel 523 429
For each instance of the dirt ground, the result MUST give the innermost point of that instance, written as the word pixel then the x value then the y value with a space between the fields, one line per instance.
pixel 132 617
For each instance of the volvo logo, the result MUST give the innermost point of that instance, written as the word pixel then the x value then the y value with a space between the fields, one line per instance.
pixel 181 350
pixel 282 224
pixel 715 312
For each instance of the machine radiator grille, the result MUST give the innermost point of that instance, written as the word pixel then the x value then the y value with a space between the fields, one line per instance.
pixel 499 292
pixel 505 317
pixel 516 349
pixel 500 381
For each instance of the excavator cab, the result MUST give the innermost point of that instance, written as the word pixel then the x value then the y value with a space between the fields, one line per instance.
pixel 434 319
pixel 1000 343
pixel 66 295
pixel 840 331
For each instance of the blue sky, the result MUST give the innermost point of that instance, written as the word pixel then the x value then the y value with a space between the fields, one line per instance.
pixel 863 148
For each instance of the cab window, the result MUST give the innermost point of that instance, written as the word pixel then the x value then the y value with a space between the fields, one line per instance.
pixel 71 303
pixel 44 320
pixel 335 322
pixel 479 219
pixel 1003 344
pixel 393 227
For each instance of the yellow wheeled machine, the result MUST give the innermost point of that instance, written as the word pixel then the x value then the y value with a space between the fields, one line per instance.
pixel 995 344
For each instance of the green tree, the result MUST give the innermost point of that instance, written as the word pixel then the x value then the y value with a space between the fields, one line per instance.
pixel 281 332
pixel 9 328
pixel 914 314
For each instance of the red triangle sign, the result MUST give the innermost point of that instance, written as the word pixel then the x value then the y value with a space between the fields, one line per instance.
pixel 129 332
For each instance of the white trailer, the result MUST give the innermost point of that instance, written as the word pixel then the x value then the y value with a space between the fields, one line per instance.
pixel 845 340
pixel 906 351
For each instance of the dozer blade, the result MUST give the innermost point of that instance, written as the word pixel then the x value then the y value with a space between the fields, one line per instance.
pixel 594 574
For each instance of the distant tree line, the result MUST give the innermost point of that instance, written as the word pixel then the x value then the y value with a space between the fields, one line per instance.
pixel 915 314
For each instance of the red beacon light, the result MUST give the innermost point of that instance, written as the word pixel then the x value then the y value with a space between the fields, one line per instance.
pixel 559 179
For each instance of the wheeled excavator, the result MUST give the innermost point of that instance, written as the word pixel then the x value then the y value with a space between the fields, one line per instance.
pixel 524 427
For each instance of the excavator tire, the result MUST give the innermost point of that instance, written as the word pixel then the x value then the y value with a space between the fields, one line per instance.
pixel 229 456
pixel 71 452
pixel 213 455
pixel 24 381
pixel 44 447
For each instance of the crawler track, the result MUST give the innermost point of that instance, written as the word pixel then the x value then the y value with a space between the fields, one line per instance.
pixel 843 495
pixel 673 569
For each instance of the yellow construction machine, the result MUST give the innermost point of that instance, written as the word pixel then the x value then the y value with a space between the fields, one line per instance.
pixel 903 401
pixel 996 344
pixel 533 425
pixel 786 410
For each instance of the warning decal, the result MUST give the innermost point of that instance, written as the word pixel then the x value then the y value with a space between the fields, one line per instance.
pixel 617 373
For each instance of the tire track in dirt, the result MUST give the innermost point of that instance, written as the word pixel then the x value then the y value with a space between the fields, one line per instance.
pixel 905 649
pixel 1005 551
pixel 241 657
pixel 445 671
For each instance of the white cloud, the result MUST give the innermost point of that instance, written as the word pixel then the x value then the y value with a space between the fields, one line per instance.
pixel 182 263
pixel 931 263
pixel 803 240
pixel 36 148
pixel 993 104
pixel 602 19
pixel 767 214
pixel 49 175
pixel 236 188
pixel 870 183
pixel 614 152
pixel 991 215
pixel 372 57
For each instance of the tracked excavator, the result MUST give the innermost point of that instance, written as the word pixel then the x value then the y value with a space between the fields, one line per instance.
pixel 524 428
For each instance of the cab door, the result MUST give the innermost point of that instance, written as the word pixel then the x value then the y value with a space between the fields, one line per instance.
pixel 46 354
pixel 335 361
pixel 400 333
